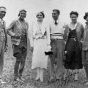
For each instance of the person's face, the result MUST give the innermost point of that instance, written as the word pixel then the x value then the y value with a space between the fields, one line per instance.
pixel 73 18
pixel 55 15
pixel 87 18
pixel 22 15
pixel 40 16
pixel 2 14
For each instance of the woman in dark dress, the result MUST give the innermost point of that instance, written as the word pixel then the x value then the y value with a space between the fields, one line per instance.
pixel 73 49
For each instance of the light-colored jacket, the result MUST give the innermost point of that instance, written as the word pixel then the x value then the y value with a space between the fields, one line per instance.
pixel 85 38
pixel 44 29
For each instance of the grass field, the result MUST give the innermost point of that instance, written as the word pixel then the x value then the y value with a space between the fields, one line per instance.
pixel 29 75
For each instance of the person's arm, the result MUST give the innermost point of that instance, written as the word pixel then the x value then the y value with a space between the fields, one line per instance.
pixel 66 33
pixel 48 34
pixel 27 36
pixel 27 33
pixel 5 31
pixel 31 37
pixel 10 28
pixel 82 32
pixel 48 37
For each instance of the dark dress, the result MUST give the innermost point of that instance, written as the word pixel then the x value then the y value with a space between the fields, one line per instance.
pixel 73 57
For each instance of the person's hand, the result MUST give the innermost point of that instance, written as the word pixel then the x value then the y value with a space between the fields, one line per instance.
pixel 17 37
pixel 65 52
pixel 5 50
pixel 48 47
pixel 81 41
pixel 31 48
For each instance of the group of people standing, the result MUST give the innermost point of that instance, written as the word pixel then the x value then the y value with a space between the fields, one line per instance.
pixel 18 30
pixel 67 42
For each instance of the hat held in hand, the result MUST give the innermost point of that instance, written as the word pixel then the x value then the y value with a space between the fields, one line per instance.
pixel 48 51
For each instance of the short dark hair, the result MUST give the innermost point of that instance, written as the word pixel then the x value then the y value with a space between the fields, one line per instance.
pixel 74 12
pixel 58 11
pixel 22 11
pixel 42 14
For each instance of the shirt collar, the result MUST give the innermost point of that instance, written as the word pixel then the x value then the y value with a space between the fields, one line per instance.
pixel 56 21
pixel 74 26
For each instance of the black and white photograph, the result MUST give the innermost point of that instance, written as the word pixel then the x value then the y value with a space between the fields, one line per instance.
pixel 43 43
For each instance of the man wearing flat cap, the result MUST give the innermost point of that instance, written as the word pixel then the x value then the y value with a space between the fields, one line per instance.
pixel 18 30
pixel 3 39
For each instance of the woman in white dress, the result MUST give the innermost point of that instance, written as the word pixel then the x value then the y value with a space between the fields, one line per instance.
pixel 40 39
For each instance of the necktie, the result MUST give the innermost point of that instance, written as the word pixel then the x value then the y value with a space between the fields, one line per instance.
pixel 56 22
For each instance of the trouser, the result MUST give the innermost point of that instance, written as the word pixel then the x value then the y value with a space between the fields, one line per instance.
pixel 2 47
pixel 18 68
pixel 1 61
pixel 20 55
pixel 85 62
pixel 57 57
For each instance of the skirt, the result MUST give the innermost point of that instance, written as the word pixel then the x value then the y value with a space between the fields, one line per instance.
pixel 39 59
pixel 74 55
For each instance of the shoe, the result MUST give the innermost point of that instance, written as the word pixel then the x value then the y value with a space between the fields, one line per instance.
pixel 16 79
pixel 86 83
pixel 37 78
pixel 2 81
pixel 21 79
pixel 57 80
pixel 51 78
pixel 76 78
pixel 41 78
pixel 64 78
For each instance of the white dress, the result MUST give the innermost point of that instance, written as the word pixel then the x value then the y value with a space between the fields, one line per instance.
pixel 39 59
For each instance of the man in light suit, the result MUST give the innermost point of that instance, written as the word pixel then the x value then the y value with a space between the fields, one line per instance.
pixel 57 44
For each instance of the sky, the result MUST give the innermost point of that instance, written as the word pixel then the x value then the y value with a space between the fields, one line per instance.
pixel 34 6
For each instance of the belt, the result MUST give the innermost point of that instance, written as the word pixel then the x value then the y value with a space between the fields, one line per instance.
pixel 56 34
pixel 75 39
pixel 23 34
pixel 39 38
pixel 56 39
